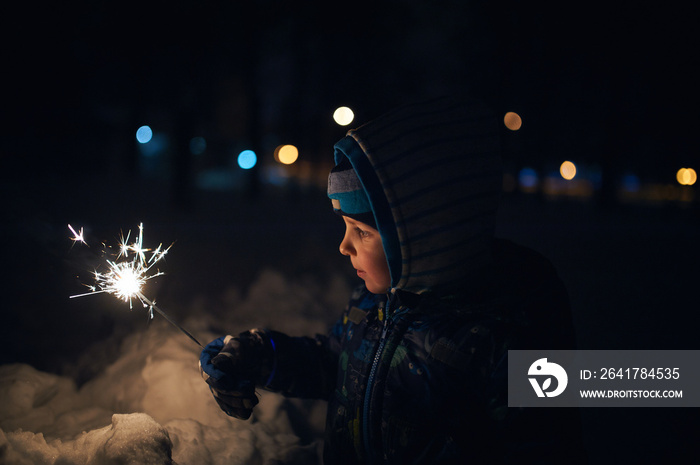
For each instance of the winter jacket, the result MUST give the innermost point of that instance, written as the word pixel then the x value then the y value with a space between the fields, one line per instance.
pixel 419 375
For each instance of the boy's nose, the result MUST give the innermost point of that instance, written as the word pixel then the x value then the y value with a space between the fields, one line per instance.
pixel 345 247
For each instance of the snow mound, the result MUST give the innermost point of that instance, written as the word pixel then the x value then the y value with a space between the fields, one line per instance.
pixel 130 440
pixel 150 405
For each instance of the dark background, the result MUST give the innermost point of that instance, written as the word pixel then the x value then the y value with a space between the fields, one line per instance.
pixel 611 86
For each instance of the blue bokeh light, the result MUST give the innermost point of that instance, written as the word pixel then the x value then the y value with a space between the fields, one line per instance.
pixel 528 178
pixel 247 159
pixel 155 146
pixel 144 134
pixel 631 182
pixel 198 145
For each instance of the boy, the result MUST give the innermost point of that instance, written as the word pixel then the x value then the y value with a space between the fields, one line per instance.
pixel 415 371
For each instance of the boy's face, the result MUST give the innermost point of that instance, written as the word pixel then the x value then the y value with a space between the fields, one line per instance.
pixel 363 244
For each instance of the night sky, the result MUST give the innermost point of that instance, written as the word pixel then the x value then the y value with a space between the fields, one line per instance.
pixel 610 84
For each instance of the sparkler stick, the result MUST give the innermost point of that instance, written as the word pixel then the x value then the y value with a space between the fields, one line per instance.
pixel 125 278
pixel 153 306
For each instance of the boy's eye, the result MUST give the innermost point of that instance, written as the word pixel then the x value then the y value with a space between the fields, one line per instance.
pixel 362 232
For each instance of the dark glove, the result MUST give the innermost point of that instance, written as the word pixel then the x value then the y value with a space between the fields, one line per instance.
pixel 233 366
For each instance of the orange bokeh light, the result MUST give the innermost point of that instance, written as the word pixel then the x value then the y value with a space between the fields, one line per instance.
pixel 287 154
pixel 686 176
pixel 567 170
pixel 512 121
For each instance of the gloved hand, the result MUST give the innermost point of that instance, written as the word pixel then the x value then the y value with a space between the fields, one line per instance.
pixel 233 366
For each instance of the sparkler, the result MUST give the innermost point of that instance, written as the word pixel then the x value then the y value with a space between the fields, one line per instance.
pixel 126 276
pixel 77 237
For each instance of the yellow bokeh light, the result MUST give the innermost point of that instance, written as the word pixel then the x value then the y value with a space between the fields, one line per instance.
pixel 567 170
pixel 512 121
pixel 287 154
pixel 686 176
pixel 343 116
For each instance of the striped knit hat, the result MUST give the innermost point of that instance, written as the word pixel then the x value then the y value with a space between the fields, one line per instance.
pixel 431 172
pixel 347 194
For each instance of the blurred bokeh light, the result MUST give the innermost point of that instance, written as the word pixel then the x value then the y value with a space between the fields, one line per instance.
pixel 631 183
pixel 343 116
pixel 528 179
pixel 286 154
pixel 198 145
pixel 144 134
pixel 686 176
pixel 247 159
pixel 512 121
pixel 567 170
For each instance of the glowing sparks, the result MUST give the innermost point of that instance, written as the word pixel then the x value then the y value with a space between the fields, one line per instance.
pixel 125 278
pixel 77 237
pixel 128 273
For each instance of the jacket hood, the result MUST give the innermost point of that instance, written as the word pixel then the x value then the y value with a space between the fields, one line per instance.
pixel 432 174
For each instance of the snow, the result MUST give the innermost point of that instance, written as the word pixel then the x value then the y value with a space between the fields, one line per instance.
pixel 131 438
pixel 150 405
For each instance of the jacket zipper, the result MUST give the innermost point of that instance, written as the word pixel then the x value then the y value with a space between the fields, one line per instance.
pixel 370 381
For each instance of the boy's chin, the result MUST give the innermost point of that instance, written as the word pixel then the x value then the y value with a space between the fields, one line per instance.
pixel 375 289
